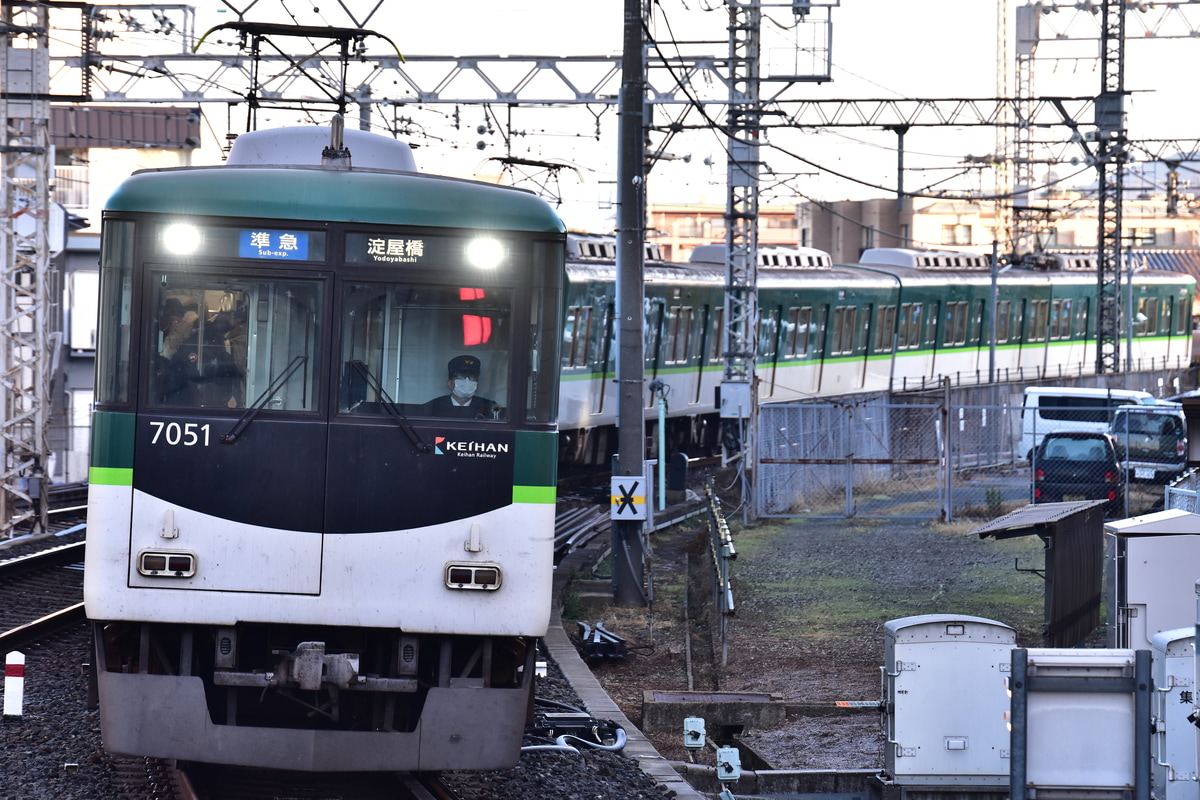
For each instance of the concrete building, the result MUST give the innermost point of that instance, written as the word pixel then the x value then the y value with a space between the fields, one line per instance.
pixel 845 229
pixel 678 229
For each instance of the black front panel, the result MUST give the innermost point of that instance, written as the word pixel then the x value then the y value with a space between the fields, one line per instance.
pixel 379 480
pixel 273 475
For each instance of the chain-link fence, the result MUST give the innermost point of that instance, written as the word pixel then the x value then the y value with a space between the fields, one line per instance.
pixel 866 458
pixel 938 459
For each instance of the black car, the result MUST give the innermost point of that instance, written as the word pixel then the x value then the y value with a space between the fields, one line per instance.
pixel 1079 465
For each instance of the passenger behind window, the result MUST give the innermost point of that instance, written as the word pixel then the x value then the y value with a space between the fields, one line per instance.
pixel 462 401
pixel 177 369
pixel 224 367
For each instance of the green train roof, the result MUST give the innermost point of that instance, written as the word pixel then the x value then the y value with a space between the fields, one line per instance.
pixel 335 195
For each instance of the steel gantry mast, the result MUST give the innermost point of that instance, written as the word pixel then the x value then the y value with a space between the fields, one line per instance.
pixel 1110 158
pixel 739 396
pixel 25 351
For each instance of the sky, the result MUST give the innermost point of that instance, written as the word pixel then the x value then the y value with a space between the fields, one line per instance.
pixel 936 49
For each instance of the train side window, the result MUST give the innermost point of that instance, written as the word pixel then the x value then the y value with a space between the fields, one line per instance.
pixel 1003 312
pixel 717 342
pixel 224 342
pixel 1181 315
pixel 799 330
pixel 915 320
pixel 956 323
pixel 1038 321
pixel 845 324
pixel 1147 316
pixel 679 334
pixel 577 335
pixel 768 333
pixel 1081 319
pixel 397 342
pixel 603 343
pixel 932 319
pixel 115 341
pixel 545 308
pixel 653 334
pixel 885 324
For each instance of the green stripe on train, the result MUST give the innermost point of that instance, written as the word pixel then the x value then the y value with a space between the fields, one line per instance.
pixel 535 494
pixel 110 476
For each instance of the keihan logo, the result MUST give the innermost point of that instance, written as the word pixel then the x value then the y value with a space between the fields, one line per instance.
pixel 442 446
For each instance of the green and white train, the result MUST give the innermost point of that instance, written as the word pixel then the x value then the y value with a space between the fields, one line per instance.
pixel 898 320
pixel 301 554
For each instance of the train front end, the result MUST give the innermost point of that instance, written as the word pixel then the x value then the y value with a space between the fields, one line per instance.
pixel 322 487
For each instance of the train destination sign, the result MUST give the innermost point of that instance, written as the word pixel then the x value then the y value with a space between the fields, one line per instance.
pixel 391 248
pixel 258 243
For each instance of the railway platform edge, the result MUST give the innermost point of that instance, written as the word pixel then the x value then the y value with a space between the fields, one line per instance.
pixel 596 701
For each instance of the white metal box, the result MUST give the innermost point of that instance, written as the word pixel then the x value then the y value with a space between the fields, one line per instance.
pixel 1173 743
pixel 946 700
pixel 1080 726
pixel 1153 564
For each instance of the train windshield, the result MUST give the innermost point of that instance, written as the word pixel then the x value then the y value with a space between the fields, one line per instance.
pixel 440 351
pixel 234 342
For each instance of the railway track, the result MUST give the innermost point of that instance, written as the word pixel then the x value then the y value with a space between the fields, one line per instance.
pixel 207 782
pixel 40 593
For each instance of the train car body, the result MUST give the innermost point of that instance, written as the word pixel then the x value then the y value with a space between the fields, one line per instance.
pixel 897 320
pixel 297 557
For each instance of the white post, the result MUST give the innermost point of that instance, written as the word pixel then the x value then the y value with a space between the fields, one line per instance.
pixel 14 684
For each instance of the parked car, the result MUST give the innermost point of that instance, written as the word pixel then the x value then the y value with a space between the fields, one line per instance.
pixel 1151 442
pixel 1071 408
pixel 1079 465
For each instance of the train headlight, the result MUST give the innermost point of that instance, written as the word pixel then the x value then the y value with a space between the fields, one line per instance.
pixel 181 239
pixel 485 577
pixel 485 253
pixel 166 564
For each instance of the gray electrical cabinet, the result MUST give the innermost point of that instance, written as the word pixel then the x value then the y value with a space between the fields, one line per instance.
pixel 946 704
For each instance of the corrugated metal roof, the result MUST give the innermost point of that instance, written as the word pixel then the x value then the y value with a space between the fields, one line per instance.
pixel 1032 518
pixel 125 127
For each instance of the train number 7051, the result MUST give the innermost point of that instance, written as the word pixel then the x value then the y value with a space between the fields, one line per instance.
pixel 188 434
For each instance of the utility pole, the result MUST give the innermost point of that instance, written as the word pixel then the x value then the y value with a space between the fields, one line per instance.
pixel 26 157
pixel 739 389
pixel 629 481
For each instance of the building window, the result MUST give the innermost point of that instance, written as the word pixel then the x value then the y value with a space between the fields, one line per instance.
pixel 956 234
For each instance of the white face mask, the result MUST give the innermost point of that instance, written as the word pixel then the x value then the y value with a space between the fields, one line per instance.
pixel 464 388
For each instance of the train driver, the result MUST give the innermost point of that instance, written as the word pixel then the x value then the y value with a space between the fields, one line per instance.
pixel 463 381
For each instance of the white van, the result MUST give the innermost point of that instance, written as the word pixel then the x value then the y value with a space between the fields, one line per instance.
pixel 1058 408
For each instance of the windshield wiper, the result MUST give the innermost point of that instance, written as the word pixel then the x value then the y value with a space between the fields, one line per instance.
pixel 391 408
pixel 252 410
